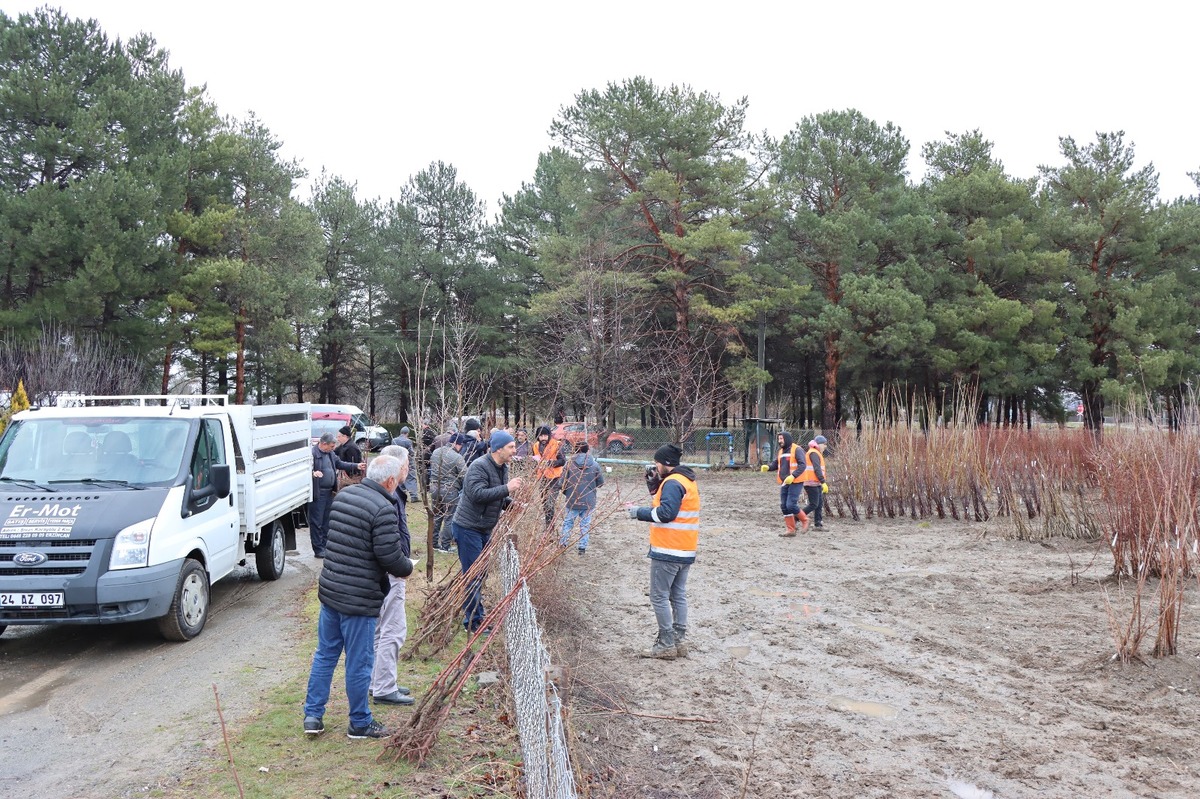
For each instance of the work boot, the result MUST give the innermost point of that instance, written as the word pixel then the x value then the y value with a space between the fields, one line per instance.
pixel 664 647
pixel 681 648
pixel 790 523
pixel 802 517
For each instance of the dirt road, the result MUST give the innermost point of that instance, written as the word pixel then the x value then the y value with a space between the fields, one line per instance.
pixel 876 658
pixel 109 711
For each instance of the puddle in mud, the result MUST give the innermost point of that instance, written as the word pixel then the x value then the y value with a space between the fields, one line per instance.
pixel 33 695
pixel 874 709
pixel 965 790
pixel 738 651
pixel 762 592
pixel 805 609
pixel 875 628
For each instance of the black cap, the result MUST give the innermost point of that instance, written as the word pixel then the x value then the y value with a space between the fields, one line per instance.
pixel 668 455
pixel 346 431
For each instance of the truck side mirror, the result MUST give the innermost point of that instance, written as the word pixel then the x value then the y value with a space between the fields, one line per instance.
pixel 221 480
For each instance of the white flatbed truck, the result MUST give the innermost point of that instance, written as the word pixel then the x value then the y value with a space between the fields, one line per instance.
pixel 128 508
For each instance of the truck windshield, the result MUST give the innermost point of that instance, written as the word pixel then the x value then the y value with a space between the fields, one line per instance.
pixel 107 451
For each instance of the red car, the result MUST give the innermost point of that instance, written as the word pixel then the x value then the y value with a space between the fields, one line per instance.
pixel 574 432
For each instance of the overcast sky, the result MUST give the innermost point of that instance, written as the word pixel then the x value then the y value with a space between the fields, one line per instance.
pixel 376 91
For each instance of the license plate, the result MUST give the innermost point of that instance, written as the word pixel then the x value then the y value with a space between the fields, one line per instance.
pixel 34 599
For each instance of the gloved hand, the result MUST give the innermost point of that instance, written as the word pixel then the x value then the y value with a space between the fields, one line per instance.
pixel 633 513
pixel 787 481
pixel 824 488
pixel 764 468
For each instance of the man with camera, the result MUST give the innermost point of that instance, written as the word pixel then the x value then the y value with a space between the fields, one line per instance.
pixel 486 491
pixel 674 520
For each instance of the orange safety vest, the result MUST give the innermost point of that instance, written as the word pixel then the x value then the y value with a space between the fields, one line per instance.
pixel 552 447
pixel 679 537
pixel 810 474
pixel 792 463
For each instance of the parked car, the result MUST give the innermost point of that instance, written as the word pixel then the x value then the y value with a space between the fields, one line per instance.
pixel 574 432
pixel 367 434
pixel 327 422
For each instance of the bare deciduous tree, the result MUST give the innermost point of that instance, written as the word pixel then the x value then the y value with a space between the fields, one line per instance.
pixel 63 361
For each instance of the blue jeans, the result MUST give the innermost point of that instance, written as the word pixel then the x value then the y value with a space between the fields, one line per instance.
pixel 816 504
pixel 668 594
pixel 470 545
pixel 584 515
pixel 356 636
pixel 789 499
pixel 318 519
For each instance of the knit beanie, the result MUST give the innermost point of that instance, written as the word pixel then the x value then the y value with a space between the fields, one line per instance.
pixel 499 440
pixel 542 430
pixel 668 455
pixel 472 424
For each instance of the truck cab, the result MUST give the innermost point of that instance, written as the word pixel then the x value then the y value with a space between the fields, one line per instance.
pixel 129 509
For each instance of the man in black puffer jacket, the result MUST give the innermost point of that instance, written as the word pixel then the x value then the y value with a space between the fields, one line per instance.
pixel 364 544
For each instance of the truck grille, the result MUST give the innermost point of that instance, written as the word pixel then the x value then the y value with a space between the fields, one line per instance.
pixel 62 557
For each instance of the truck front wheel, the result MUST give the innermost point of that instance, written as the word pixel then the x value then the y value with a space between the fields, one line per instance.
pixel 270 553
pixel 189 608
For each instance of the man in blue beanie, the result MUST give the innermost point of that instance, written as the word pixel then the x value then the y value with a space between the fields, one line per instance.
pixel 486 491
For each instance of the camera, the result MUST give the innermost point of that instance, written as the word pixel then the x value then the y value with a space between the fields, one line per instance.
pixel 653 479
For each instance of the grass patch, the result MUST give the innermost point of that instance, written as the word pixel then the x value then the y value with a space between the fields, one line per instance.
pixel 476 755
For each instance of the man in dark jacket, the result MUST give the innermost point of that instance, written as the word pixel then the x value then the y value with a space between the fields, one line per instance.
pixel 324 477
pixel 348 451
pixel 364 546
pixel 485 493
pixel 474 445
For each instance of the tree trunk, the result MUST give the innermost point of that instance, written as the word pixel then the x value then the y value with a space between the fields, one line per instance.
pixel 833 360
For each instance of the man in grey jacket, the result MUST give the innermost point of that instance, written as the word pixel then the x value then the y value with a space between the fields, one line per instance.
pixel 364 546
pixel 580 480
pixel 486 492
pixel 446 468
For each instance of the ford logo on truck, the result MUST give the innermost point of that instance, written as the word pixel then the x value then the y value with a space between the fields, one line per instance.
pixel 29 559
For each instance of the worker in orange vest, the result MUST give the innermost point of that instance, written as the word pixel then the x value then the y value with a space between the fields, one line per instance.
pixel 674 517
pixel 787 472
pixel 550 458
pixel 814 479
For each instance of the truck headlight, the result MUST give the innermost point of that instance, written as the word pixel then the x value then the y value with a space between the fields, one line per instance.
pixel 131 547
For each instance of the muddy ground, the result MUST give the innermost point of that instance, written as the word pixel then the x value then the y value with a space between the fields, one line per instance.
pixel 877 658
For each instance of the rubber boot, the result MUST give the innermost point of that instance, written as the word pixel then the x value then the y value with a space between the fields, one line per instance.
pixel 802 517
pixel 790 521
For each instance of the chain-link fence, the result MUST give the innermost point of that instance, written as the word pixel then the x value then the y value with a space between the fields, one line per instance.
pixel 543 738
